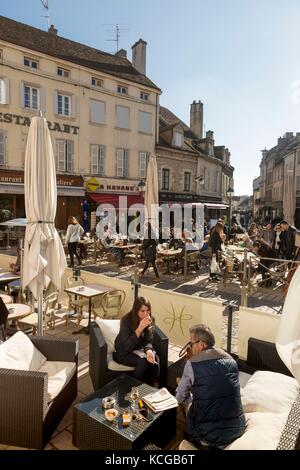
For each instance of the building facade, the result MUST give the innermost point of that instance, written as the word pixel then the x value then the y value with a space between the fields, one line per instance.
pixel 102 113
pixel 256 198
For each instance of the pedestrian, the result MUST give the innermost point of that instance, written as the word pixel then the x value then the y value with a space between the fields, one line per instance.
pixel 287 238
pixel 149 248
pixel 73 235
pixel 216 239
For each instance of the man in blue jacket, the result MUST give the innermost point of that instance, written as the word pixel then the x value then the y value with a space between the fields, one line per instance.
pixel 210 382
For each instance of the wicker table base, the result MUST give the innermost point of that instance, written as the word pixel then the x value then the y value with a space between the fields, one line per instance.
pixel 91 431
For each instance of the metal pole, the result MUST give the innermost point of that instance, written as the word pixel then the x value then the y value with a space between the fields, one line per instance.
pixel 244 296
pixel 21 265
pixel 229 326
pixel 40 315
pixel 185 262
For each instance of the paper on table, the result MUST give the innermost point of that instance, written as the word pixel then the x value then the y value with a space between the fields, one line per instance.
pixel 160 400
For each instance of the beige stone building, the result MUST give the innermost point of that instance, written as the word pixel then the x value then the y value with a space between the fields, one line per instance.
pixel 102 113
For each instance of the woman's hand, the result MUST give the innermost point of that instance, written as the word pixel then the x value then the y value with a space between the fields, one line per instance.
pixel 150 356
pixel 144 323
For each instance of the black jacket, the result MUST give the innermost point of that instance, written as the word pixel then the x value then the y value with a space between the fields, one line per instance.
pixel 215 242
pixel 216 415
pixel 287 242
pixel 127 341
pixel 149 247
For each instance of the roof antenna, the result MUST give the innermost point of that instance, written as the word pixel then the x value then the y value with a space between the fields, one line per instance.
pixel 45 4
pixel 116 32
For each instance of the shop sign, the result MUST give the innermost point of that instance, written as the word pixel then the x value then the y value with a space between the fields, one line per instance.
pixel 111 186
pixel 25 121
pixel 12 177
pixel 92 184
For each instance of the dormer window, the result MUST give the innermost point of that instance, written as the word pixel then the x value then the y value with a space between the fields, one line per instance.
pixel 63 72
pixel 178 139
pixel 122 90
pixel 31 63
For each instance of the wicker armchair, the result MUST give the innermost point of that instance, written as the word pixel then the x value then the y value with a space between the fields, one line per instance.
pixel 99 372
pixel 27 420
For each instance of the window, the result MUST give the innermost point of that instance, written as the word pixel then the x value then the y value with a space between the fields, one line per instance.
pixel 63 72
pixel 31 63
pixel 145 122
pixel 144 96
pixel 63 105
pixel 144 160
pixel 4 91
pixel 123 90
pixel 31 97
pixel 165 179
pixel 64 156
pixel 187 181
pixel 2 148
pixel 97 112
pixel 122 163
pixel 97 159
pixel 123 117
pixel 97 82
pixel 178 139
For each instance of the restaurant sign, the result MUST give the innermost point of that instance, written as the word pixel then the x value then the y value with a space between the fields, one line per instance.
pixel 17 177
pixel 111 185
pixel 25 121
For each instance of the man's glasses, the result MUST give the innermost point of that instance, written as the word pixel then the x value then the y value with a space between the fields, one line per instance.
pixel 187 348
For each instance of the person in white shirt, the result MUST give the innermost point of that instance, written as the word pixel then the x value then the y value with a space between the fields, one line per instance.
pixel 73 235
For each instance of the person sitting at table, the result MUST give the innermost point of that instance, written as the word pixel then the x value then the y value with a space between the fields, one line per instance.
pixel 235 230
pixel 133 344
pixel 106 241
pixel 210 388
pixel 16 266
pixel 149 248
pixel 263 250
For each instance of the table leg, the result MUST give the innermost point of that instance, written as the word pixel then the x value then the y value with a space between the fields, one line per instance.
pixel 85 329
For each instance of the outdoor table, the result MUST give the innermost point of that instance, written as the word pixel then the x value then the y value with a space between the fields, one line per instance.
pixel 6 298
pixel 169 254
pixel 88 293
pixel 91 430
pixel 19 311
pixel 7 277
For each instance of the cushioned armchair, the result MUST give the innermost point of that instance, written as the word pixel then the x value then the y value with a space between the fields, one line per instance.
pixel 28 415
pixel 99 357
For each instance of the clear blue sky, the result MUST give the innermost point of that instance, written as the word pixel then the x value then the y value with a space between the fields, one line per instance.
pixel 239 57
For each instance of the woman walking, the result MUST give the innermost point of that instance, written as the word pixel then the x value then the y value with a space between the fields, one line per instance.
pixel 149 248
pixel 216 239
pixel 73 235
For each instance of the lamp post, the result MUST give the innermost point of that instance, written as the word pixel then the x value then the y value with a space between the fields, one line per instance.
pixel 142 187
pixel 135 278
pixel 230 194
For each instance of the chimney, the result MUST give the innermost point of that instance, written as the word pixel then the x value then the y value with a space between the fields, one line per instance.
pixel 121 53
pixel 139 56
pixel 196 118
pixel 210 135
pixel 52 30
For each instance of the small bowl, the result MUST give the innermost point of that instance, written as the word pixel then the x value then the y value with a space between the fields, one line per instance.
pixel 111 414
pixel 108 402
pixel 80 289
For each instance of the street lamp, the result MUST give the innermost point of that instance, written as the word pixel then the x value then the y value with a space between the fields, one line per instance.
pixel 141 187
pixel 230 194
pixel 135 278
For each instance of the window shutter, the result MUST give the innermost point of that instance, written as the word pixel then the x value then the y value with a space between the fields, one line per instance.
pixel 126 154
pixel 42 100
pixel 22 98
pixel 97 112
pixel 4 91
pixel 73 110
pixel 120 163
pixel 2 148
pixel 145 124
pixel 94 159
pixel 61 152
pixel 143 164
pixel 123 117
pixel 56 102
pixel 69 156
pixel 101 159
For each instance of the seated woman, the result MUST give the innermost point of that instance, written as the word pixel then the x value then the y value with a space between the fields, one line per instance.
pixel 133 345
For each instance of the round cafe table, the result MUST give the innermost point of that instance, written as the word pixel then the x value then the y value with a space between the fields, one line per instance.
pixel 6 298
pixel 19 311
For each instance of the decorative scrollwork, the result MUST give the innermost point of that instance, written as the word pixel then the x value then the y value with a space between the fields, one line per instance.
pixel 180 318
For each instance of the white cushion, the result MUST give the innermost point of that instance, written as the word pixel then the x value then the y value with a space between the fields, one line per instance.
pixel 115 366
pixel 110 330
pixel 269 392
pixel 263 432
pixel 243 378
pixel 59 375
pixel 18 352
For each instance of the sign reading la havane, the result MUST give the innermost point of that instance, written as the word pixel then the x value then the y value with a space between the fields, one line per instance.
pixel 25 121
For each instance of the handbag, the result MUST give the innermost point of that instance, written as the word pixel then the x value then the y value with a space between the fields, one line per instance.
pixel 214 267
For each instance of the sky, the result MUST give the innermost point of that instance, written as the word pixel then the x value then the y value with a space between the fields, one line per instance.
pixel 241 58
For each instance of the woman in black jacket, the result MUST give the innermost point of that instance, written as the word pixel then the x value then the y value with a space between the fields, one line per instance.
pixel 149 248
pixel 215 242
pixel 133 345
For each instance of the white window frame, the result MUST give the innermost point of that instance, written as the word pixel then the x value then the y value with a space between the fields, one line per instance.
pixel 122 90
pixel 29 100
pixel 145 122
pixel 2 147
pixel 101 111
pixel 97 159
pixel 144 158
pixel 65 73
pixel 163 187
pixel 122 163
pixel 4 91
pixel 31 62
pixel 144 96
pixel 65 152
pixel 98 82
pixel 120 115
pixel 63 107
pixel 187 188
pixel 178 135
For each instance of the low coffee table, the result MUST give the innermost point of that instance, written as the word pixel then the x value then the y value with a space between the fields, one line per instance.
pixel 91 430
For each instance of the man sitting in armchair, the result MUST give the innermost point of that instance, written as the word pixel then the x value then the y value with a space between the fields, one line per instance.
pixel 210 385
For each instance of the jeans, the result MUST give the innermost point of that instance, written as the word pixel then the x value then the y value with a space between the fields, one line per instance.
pixel 72 247
pixel 146 266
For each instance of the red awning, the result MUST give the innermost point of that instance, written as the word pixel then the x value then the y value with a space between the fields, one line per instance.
pixel 110 198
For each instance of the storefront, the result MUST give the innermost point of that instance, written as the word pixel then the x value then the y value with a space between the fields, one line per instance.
pixel 70 196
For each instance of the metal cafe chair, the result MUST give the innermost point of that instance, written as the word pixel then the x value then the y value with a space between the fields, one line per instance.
pixel 112 303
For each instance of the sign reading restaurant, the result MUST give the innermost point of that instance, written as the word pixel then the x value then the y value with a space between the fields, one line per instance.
pixel 25 121
pixel 61 180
